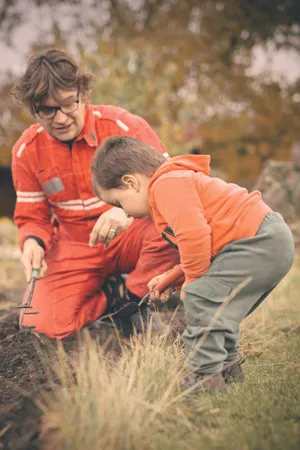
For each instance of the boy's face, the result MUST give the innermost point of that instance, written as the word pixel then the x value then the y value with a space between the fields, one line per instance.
pixel 132 197
pixel 68 121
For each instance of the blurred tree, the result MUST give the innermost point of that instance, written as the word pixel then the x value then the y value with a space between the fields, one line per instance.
pixel 238 23
pixel 177 63
pixel 13 121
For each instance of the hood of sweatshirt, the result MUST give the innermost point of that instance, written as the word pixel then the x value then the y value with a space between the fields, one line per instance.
pixel 196 163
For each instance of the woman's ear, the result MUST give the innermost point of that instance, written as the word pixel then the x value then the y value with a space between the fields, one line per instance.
pixel 85 98
pixel 131 182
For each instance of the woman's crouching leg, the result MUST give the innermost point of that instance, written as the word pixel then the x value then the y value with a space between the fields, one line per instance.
pixel 64 304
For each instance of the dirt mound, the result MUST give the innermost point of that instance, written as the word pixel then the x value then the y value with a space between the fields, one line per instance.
pixel 22 375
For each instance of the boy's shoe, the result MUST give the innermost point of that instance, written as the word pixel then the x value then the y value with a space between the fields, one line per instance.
pixel 203 383
pixel 233 371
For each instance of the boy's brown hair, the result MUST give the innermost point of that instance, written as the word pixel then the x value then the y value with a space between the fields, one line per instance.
pixel 123 155
pixel 48 72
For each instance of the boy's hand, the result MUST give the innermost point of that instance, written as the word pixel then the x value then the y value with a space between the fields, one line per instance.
pixel 109 225
pixel 155 295
pixel 33 258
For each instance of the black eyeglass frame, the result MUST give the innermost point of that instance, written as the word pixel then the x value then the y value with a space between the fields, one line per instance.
pixel 58 108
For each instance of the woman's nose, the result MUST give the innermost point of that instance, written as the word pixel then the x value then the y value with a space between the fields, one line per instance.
pixel 60 117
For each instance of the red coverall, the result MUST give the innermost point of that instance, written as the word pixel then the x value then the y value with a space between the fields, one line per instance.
pixel 53 181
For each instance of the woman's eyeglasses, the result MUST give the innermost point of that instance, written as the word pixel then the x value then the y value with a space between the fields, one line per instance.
pixel 49 112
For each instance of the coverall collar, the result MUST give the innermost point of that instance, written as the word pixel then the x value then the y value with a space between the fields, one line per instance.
pixel 88 132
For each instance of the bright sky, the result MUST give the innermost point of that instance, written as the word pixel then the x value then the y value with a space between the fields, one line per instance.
pixel 283 64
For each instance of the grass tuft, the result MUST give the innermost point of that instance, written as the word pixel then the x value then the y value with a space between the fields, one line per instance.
pixel 117 403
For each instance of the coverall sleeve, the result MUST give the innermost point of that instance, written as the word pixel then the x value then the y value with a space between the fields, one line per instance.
pixel 140 129
pixel 178 202
pixel 32 211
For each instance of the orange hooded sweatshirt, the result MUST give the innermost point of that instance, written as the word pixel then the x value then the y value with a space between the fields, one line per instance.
pixel 200 214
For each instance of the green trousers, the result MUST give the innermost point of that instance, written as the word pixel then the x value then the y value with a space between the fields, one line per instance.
pixel 266 257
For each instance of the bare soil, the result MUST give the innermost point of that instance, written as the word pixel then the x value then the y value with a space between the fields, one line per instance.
pixel 22 376
pixel 26 361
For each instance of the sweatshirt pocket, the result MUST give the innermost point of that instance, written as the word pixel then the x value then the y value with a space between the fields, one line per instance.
pixel 208 288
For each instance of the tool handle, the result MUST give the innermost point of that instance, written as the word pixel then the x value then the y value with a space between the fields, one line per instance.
pixel 35 273
pixel 170 279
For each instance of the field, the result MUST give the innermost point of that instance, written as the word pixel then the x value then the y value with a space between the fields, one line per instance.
pixel 98 391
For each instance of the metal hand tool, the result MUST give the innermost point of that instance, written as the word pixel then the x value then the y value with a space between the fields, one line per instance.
pixel 27 305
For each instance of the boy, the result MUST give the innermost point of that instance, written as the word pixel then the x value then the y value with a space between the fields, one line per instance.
pixel 223 233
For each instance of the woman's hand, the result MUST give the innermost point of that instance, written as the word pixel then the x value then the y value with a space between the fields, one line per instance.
pixel 33 258
pixel 109 225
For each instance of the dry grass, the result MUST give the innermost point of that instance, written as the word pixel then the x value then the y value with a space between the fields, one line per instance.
pixel 280 310
pixel 118 403
pixel 11 273
pixel 133 402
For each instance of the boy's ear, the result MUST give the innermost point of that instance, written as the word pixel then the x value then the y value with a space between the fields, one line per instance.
pixel 130 181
